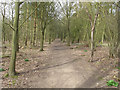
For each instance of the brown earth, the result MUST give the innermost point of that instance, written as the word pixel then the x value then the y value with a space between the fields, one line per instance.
pixel 61 66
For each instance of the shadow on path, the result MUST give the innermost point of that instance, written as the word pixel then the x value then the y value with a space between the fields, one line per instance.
pixel 47 67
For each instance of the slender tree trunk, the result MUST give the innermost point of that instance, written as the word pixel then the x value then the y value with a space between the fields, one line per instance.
pixel 92 44
pixel 42 41
pixel 92 37
pixel 14 41
pixel 17 33
pixel 34 34
pixel 119 31
pixel 103 35
pixel 3 27
pixel 26 38
pixel 31 31
pixel 61 36
pixel 49 38
pixel 114 46
pixel 68 38
pixel 12 17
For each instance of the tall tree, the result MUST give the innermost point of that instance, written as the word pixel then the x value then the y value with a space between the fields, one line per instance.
pixel 119 31
pixel 67 12
pixel 12 71
pixel 35 25
pixel 26 36
pixel 46 15
pixel 92 23
pixel 3 24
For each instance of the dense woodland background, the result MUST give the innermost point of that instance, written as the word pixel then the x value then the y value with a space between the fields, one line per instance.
pixel 30 24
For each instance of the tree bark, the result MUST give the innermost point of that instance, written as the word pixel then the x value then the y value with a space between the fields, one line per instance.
pixel 68 38
pixel 34 33
pixel 3 26
pixel 92 37
pixel 119 32
pixel 14 41
pixel 26 38
pixel 42 41
pixel 49 37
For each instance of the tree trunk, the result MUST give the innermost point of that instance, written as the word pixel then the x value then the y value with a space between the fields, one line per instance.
pixel 34 33
pixel 92 44
pixel 114 46
pixel 92 37
pixel 42 41
pixel 17 42
pixel 49 38
pixel 3 27
pixel 26 38
pixel 14 41
pixel 68 38
pixel 119 31
pixel 103 37
pixel 31 31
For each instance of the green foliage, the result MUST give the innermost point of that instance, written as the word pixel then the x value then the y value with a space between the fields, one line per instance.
pixel 1 69
pixel 112 83
pixel 85 50
pixel 26 60
pixel 118 68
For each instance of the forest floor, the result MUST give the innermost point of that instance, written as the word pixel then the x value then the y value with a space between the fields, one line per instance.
pixel 61 66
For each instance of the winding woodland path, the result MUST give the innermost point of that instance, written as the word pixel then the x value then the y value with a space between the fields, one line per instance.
pixel 65 69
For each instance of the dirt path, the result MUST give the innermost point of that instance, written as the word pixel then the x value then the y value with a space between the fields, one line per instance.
pixel 60 66
pixel 65 69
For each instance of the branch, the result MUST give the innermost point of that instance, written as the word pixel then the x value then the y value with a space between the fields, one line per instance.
pixel 95 21
pixel 116 4
pixel 20 3
pixel 10 26
pixel 62 8
pixel 60 20
pixel 90 18
pixel 23 1
pixel 2 14
pixel 29 16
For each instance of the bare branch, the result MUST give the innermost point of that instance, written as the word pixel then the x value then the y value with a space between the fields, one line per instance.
pixel 95 21
pixel 62 8
pixel 20 3
pixel 90 18
pixel 116 4
pixel 61 21
pixel 10 26
pixel 29 16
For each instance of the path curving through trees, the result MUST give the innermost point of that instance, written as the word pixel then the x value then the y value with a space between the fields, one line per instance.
pixel 66 69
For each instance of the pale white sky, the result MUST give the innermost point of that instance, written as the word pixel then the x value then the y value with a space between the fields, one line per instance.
pixel 61 0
